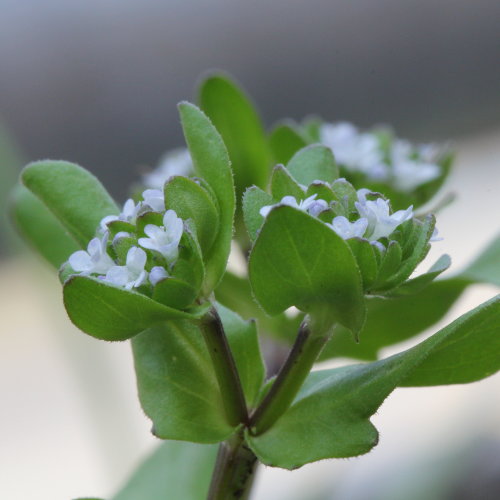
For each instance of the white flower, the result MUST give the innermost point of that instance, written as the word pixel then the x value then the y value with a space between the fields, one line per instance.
pixel 155 199
pixel 310 205
pixel 380 222
pixel 346 229
pixel 128 214
pixel 412 167
pixel 132 274
pixel 354 150
pixel 94 260
pixel 175 162
pixel 408 174
pixel 164 239
pixel 157 274
pixel 435 236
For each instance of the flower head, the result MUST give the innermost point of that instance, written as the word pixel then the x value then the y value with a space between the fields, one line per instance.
pixel 310 205
pixel 93 261
pixel 132 274
pixel 175 162
pixel 164 239
pixel 346 229
pixel 129 214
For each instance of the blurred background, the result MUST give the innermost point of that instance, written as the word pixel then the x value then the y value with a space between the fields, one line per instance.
pixel 97 83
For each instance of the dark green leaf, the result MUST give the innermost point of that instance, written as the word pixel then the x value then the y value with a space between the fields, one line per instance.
pixel 111 313
pixel 283 184
pixel 40 228
pixel 330 416
pixel 244 343
pixel 390 263
pixel 177 385
pixel 285 140
pixel 175 293
pixel 299 261
pixel 365 257
pixel 253 200
pixel 191 201
pixel 174 471
pixel 235 118
pixel 72 194
pixel 313 163
pixel 211 161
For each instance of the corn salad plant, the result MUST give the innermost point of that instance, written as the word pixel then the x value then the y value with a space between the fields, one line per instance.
pixel 329 220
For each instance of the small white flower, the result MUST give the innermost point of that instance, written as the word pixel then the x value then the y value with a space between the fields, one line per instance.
pixel 435 236
pixel 380 222
pixel 310 205
pixel 155 199
pixel 132 274
pixel 157 274
pixel 346 229
pixel 175 162
pixel 408 174
pixel 164 239
pixel 94 260
pixel 354 150
pixel 128 214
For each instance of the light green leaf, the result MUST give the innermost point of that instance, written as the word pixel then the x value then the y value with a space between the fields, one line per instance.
pixel 76 198
pixel 111 313
pixel 283 184
pixel 211 161
pixel 285 140
pixel 330 416
pixel 244 344
pixel 313 163
pixel 177 385
pixel 174 471
pixel 238 123
pixel 486 267
pixel 191 201
pixel 299 261
pixel 253 200
pixel 41 230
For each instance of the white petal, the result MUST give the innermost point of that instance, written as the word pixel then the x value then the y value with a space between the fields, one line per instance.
pixel 148 243
pixel 264 211
pixel 157 273
pixel 106 220
pixel 80 261
pixel 289 201
pixel 136 259
pixel 117 275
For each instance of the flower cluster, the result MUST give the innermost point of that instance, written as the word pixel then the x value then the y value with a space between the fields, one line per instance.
pixel 371 220
pixel 175 162
pixel 123 261
pixel 397 163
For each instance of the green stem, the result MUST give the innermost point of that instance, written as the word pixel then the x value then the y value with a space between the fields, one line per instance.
pixel 304 353
pixel 225 368
pixel 234 471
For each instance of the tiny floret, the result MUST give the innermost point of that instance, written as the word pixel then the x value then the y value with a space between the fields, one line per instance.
pixel 164 239
pixel 346 229
pixel 154 198
pixel 93 261
pixel 132 274
pixel 156 274
pixel 175 162
pixel 128 214
pixel 310 205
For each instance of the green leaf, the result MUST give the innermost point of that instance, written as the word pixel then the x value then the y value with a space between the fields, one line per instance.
pixel 41 230
pixel 390 263
pixel 177 385
pixel 486 267
pixel 174 471
pixel 191 201
pixel 393 320
pixel 238 123
pixel 174 292
pixel 244 344
pixel 298 261
pixel 285 140
pixel 76 198
pixel 111 313
pixel 330 416
pixel 420 282
pixel 365 257
pixel 313 163
pixel 211 161
pixel 253 200
pixel 283 184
